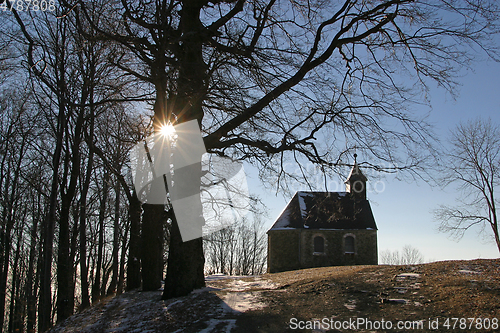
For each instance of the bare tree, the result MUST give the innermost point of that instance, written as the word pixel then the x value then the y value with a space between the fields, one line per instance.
pixel 472 163
pixel 76 89
pixel 411 256
pixel 408 256
pixel 239 249
pixel 388 257
pixel 271 81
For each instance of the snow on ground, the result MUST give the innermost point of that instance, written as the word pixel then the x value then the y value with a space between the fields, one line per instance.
pixel 238 295
pixel 210 309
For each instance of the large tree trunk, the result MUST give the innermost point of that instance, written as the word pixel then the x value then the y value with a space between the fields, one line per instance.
pixel 185 265
pixel 154 218
pixel 185 270
pixel 134 255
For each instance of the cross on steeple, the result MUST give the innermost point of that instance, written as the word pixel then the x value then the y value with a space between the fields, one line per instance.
pixel 356 181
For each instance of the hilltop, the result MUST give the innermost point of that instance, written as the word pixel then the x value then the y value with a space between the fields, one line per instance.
pixel 328 299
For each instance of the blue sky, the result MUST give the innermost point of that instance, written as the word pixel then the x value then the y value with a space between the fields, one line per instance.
pixel 403 209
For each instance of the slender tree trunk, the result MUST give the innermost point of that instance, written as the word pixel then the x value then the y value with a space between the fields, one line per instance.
pixel 85 189
pixel 105 278
pixel 4 268
pixel 96 286
pixel 16 304
pixel 121 277
pixel 30 288
pixel 6 240
pixel 83 230
pixel 116 241
pixel 64 269
pixel 72 255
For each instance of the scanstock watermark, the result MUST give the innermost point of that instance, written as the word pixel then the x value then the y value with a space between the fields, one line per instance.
pixel 207 192
pixel 355 324
pixel 475 324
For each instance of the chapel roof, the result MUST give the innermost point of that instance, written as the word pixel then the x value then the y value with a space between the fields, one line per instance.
pixel 325 210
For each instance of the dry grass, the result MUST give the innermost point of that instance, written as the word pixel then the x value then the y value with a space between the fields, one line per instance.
pixel 430 292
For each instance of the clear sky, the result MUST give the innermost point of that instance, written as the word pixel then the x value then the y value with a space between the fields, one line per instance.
pixel 402 209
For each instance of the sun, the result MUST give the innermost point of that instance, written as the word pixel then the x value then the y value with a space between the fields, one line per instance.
pixel 167 130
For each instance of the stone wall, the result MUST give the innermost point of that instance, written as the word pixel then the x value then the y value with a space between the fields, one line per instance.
pixel 284 247
pixel 283 250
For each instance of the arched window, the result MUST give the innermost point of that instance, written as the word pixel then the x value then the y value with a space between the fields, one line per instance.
pixel 349 244
pixel 319 244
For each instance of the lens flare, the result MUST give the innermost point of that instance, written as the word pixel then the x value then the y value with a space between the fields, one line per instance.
pixel 167 130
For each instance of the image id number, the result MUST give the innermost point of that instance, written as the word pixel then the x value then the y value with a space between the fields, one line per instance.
pixel 28 5
pixel 471 323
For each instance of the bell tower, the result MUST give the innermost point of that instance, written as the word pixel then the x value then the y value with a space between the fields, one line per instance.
pixel 356 182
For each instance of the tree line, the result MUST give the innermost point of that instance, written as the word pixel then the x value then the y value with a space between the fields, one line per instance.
pixel 239 249
pixel 65 138
pixel 67 200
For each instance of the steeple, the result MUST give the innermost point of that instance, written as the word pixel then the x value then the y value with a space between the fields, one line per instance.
pixel 356 182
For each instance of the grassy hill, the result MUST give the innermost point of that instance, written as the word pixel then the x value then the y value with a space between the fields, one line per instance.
pixel 450 296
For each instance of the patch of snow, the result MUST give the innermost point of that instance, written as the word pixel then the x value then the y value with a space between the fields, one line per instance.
pixel 283 220
pixel 213 323
pixel 408 275
pixel 258 283
pixel 302 204
pixel 466 271
pixel 244 295
pixel 351 305
pixel 241 302
pixel 168 307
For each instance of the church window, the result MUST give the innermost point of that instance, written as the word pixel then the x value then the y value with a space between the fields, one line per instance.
pixel 349 244
pixel 319 244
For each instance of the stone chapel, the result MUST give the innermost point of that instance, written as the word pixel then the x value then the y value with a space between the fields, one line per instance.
pixel 325 229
